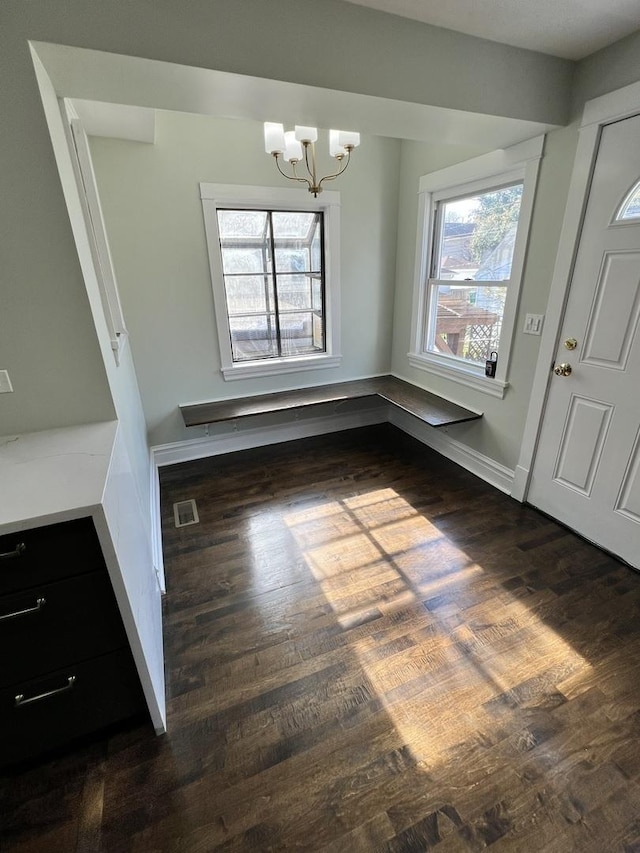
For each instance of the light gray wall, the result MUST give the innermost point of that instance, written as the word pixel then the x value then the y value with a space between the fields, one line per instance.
pixel 151 201
pixel 499 433
pixel 47 339
pixel 610 68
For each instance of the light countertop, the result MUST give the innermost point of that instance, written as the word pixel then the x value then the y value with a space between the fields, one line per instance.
pixel 53 475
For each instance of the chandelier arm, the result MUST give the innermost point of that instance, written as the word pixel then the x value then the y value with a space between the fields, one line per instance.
pixel 293 177
pixel 311 169
pixel 337 174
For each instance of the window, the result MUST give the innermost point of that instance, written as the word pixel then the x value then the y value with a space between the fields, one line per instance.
pixel 473 228
pixel 274 272
pixel 474 241
pixel 273 276
pixel 630 207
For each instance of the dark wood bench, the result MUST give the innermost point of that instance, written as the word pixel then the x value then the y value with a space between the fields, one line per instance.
pixel 428 407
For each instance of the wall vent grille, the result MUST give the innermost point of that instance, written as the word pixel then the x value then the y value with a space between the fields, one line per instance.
pixel 185 512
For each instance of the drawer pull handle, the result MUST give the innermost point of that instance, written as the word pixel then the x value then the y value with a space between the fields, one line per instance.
pixel 18 551
pixel 21 700
pixel 40 603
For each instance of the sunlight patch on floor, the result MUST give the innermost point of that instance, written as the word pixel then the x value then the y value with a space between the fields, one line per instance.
pixel 476 643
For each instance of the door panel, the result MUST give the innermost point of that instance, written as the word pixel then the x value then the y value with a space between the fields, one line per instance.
pixel 587 467
pixel 629 501
pixel 582 443
pixel 608 337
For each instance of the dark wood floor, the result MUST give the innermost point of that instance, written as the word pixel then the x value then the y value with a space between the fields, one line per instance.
pixel 368 649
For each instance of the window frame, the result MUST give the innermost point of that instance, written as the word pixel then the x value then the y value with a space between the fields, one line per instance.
pixel 239 197
pixel 489 171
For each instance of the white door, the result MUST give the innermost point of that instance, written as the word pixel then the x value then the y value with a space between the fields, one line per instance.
pixel 587 467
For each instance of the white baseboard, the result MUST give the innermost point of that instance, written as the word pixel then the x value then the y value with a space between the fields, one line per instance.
pixel 482 466
pixel 520 483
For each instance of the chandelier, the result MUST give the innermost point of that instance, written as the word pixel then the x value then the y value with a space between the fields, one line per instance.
pixel 298 145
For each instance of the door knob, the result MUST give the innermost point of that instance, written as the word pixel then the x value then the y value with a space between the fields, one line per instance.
pixel 571 343
pixel 563 369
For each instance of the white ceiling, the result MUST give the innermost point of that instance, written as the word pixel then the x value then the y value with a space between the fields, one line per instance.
pixel 572 29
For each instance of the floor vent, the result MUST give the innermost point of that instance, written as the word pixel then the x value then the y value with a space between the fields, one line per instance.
pixel 185 512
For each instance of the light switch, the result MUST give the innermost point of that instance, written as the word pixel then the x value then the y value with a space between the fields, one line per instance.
pixel 533 324
pixel 5 383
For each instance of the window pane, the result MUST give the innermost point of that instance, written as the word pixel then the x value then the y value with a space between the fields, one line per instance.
pixel 477 235
pixel 297 241
pixel 468 321
pixel 249 294
pixel 293 259
pixel 242 223
pixel 316 248
pixel 243 261
pixel 294 292
pixel 630 208
pixel 253 337
pixel 294 225
pixel 316 294
pixel 298 333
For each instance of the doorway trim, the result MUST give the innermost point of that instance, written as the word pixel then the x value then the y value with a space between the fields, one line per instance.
pixel 605 109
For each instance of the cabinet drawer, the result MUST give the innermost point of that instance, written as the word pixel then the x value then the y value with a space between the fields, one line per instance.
pixel 53 625
pixel 46 554
pixel 52 711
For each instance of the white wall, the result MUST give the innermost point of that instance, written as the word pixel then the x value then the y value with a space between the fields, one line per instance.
pixel 498 434
pixel 151 202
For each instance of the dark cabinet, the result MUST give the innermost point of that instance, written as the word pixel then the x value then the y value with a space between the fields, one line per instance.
pixel 66 669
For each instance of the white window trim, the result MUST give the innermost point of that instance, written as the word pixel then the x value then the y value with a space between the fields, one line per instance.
pixel 519 162
pixel 97 232
pixel 214 196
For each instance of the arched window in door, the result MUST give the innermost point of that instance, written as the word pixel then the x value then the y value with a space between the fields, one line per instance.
pixel 630 207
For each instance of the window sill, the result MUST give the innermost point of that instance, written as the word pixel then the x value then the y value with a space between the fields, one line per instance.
pixel 468 377
pixel 273 367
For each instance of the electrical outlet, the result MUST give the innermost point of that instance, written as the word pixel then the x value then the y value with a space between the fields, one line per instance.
pixel 533 324
pixel 5 383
